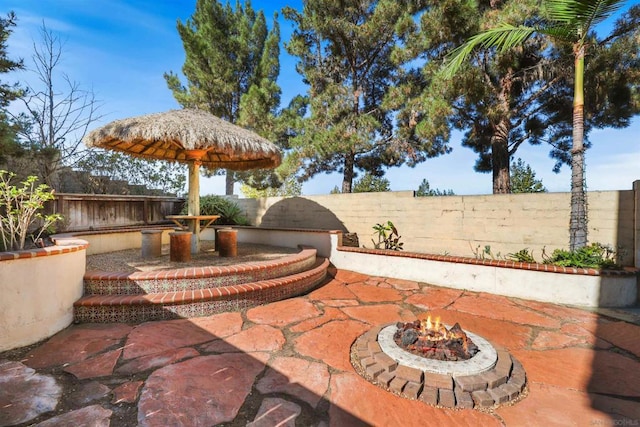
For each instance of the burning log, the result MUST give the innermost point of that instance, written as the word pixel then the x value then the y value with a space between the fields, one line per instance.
pixel 433 340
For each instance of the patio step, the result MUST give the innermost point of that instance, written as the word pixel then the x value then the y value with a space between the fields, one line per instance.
pixel 197 302
pixel 195 278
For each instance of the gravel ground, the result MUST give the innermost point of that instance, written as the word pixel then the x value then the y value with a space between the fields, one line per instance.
pixel 130 260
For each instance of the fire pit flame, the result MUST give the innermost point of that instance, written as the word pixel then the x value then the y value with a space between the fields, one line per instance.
pixel 435 331
pixel 431 339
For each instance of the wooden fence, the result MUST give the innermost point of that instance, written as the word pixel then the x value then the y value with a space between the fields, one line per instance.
pixel 95 211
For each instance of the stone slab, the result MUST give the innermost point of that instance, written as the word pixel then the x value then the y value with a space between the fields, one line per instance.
pixel 276 412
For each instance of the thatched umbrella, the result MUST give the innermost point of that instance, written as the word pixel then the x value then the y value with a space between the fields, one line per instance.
pixel 194 137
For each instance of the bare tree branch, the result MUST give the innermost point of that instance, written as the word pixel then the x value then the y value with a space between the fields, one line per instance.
pixel 59 111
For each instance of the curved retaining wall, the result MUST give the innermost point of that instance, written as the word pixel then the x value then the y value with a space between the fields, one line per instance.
pixel 39 288
pixel 118 239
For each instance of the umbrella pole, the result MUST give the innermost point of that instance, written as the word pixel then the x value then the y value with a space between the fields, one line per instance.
pixel 194 204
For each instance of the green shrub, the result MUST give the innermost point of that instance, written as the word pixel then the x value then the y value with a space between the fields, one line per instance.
pixel 388 236
pixel 229 211
pixel 594 255
pixel 523 255
pixel 20 211
pixel 485 253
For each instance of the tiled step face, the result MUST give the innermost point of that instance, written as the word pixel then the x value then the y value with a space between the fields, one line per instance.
pixel 172 305
pixel 187 279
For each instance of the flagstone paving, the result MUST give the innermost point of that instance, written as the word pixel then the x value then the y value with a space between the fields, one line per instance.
pixel 288 363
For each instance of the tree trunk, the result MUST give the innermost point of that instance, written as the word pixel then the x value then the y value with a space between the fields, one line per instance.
pixel 578 221
pixel 500 159
pixel 347 177
pixel 228 183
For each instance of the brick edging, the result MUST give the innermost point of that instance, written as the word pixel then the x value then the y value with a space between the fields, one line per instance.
pixel 61 247
pixel 545 268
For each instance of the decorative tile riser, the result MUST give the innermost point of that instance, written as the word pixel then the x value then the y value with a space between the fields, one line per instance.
pixel 240 274
pixel 135 313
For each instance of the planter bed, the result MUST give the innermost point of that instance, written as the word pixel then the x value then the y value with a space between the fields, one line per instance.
pixel 586 287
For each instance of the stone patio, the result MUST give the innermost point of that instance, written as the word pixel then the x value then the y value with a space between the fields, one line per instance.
pixel 288 363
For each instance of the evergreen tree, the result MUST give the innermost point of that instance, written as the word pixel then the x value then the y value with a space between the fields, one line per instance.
pixel 492 99
pixel 290 187
pixel 571 24
pixel 344 54
pixel 523 179
pixel 504 98
pixel 425 190
pixel 231 66
pixel 370 183
pixel 8 92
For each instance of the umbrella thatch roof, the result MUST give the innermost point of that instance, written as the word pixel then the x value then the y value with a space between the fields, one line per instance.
pixel 184 135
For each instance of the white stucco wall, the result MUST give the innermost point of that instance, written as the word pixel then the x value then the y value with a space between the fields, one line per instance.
pixel 557 288
pixel 38 295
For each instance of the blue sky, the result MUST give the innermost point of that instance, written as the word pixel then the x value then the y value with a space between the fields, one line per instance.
pixel 121 48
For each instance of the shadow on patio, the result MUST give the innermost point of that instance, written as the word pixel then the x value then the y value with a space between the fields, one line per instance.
pixel 289 362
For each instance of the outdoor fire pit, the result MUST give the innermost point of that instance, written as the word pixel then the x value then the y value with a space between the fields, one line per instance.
pixel 438 364
pixel 434 341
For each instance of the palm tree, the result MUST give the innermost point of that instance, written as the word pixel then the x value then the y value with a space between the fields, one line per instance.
pixel 570 21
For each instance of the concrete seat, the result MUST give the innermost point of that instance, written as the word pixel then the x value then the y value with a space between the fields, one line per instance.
pixel 180 246
pixel 227 242
pixel 151 243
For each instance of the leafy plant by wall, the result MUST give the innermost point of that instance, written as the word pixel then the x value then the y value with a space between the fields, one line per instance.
pixel 229 211
pixel 20 211
pixel 595 255
pixel 388 237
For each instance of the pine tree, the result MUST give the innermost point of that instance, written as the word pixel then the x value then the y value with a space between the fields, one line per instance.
pixel 344 52
pixel 571 25
pixel 8 92
pixel 370 183
pixel 231 66
pixel 523 179
pixel 425 190
pixel 501 99
pixel 490 100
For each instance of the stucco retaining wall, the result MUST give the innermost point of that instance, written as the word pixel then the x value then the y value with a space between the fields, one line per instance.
pixel 538 282
pixel 39 288
pixel 115 239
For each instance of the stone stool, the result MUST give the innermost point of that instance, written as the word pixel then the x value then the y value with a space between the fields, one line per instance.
pixel 217 239
pixel 227 242
pixel 151 243
pixel 180 246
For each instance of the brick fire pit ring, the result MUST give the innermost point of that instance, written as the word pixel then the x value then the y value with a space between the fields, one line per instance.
pixel 493 379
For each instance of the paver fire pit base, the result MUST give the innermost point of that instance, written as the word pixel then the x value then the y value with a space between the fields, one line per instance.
pixel 485 386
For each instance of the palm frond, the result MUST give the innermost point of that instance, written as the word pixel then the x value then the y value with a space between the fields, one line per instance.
pixel 582 13
pixel 503 37
pixel 560 32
